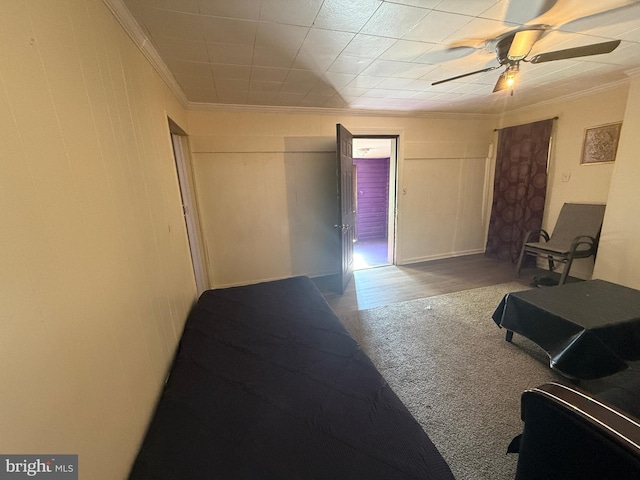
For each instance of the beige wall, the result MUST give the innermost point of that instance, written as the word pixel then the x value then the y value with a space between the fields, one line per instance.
pixel 619 254
pixel 278 222
pixel 266 189
pixel 95 277
pixel 587 183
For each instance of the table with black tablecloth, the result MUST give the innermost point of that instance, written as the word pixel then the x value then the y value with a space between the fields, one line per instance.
pixel 589 329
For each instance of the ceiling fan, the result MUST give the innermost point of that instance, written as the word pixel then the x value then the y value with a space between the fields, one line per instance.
pixel 513 48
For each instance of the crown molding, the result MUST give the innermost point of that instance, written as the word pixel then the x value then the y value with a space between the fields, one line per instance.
pixel 572 96
pixel 331 111
pixel 634 72
pixel 140 38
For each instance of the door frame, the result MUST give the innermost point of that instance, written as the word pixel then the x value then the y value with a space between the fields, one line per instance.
pixel 179 144
pixel 394 165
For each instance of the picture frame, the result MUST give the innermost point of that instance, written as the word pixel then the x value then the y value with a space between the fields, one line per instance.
pixel 601 144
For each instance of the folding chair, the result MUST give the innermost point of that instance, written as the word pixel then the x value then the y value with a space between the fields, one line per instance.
pixel 575 235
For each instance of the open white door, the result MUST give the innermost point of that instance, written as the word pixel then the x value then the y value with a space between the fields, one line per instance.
pixel 346 227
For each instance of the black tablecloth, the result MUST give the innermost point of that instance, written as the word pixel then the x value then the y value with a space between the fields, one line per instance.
pixel 588 328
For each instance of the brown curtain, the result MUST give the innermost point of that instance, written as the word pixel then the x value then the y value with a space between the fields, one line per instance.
pixel 519 188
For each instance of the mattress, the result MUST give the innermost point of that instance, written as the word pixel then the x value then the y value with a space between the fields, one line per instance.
pixel 268 384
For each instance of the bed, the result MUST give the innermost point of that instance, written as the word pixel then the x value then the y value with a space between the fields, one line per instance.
pixel 268 384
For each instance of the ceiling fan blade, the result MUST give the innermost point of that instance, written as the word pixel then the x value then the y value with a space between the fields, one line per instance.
pixel 585 51
pixel 621 11
pixel 488 69
pixel 526 11
pixel 440 55
pixel 523 42
pixel 566 12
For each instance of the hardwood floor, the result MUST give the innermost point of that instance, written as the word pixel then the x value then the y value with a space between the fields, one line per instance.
pixel 379 286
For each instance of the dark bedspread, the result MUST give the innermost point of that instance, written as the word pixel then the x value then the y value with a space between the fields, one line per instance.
pixel 268 384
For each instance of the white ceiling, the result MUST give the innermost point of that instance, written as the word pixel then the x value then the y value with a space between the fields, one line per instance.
pixel 372 147
pixel 382 55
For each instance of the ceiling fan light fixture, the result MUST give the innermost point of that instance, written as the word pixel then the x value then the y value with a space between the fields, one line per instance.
pixel 522 43
pixel 510 74
pixel 508 78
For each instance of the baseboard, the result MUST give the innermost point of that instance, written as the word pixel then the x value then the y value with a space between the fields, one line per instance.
pixel 272 279
pixel 441 256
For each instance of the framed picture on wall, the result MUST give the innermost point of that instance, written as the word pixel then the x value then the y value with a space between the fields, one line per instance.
pixel 601 143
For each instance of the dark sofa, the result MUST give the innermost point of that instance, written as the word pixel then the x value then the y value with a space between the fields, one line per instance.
pixel 268 384
pixel 569 434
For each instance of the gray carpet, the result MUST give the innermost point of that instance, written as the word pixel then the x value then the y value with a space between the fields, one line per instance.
pixel 449 363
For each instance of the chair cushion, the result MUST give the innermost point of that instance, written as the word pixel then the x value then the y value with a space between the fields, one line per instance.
pixel 556 247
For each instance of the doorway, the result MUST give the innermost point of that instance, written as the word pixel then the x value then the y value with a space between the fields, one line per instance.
pixel 178 143
pixel 374 159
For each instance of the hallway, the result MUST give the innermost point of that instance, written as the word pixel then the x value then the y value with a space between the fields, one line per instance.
pixel 370 253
